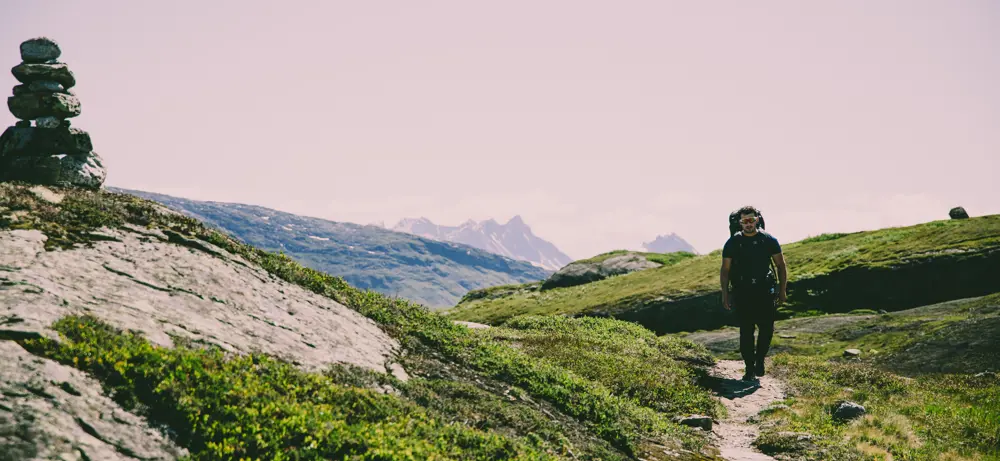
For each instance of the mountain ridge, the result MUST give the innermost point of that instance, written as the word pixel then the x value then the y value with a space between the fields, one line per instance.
pixel 668 243
pixel 428 271
pixel 513 239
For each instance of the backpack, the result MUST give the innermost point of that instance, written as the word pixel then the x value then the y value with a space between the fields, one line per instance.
pixel 735 228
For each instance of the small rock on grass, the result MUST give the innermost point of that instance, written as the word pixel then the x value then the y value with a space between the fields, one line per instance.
pixel 702 421
pixel 784 442
pixel 846 410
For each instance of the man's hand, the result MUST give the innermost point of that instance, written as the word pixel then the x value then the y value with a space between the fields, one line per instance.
pixel 782 297
pixel 724 278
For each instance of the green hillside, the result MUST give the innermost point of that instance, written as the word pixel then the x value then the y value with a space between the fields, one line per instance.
pixel 492 394
pixel 891 269
pixel 661 258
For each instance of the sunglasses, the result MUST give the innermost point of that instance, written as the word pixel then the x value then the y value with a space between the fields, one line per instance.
pixel 748 220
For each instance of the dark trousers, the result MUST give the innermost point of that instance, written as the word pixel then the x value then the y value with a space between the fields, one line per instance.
pixel 755 309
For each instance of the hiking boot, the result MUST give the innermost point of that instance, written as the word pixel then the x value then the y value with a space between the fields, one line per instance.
pixel 748 376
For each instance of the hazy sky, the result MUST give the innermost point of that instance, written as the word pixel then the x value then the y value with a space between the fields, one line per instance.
pixel 602 124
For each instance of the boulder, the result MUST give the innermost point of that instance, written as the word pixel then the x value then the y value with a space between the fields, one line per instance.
pixel 85 171
pixel 852 353
pixel 56 72
pixel 40 50
pixel 581 272
pixel 30 106
pixel 958 213
pixel 846 410
pixel 784 442
pixel 43 141
pixel 702 421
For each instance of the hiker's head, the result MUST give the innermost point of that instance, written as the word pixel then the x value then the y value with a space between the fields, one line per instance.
pixel 748 219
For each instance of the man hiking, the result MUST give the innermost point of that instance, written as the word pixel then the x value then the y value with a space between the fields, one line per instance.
pixel 746 261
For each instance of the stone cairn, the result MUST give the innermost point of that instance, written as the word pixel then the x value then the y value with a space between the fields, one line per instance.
pixel 48 152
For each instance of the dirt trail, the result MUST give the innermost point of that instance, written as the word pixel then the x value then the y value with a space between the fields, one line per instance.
pixel 743 399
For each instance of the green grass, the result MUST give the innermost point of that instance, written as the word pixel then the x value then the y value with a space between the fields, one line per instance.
pixel 194 390
pixel 253 407
pixel 627 359
pixel 935 417
pixel 812 258
pixel 914 409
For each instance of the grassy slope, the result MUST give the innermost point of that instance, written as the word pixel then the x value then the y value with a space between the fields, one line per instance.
pixel 432 273
pixel 812 258
pixel 472 394
pixel 662 258
pixel 502 291
pixel 920 377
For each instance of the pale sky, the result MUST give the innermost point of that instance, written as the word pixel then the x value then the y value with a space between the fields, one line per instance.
pixel 603 124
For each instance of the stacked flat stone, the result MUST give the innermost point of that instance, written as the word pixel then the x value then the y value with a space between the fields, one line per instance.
pixel 49 151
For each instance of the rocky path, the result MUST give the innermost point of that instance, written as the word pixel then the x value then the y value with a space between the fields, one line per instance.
pixel 742 399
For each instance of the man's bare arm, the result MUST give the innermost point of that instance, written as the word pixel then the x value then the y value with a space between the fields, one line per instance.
pixel 779 262
pixel 724 279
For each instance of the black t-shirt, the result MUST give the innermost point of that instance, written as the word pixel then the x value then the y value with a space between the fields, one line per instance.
pixel 751 266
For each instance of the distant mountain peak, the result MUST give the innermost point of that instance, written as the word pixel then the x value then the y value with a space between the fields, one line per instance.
pixel 513 239
pixel 668 243
pixel 516 221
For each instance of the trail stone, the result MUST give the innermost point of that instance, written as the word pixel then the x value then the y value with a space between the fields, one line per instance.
pixel 784 442
pixel 846 410
pixel 57 72
pixel 852 353
pixel 702 421
pixel 958 213
pixel 38 50
pixel 34 105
